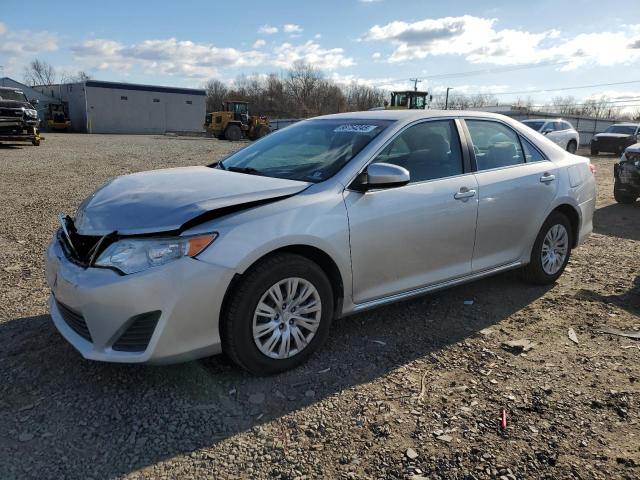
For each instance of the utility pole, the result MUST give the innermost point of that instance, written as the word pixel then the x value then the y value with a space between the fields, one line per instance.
pixel 415 83
pixel 446 99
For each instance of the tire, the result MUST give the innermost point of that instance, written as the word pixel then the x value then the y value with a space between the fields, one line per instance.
pixel 233 133
pixel 240 314
pixel 535 271
pixel 594 151
pixel 262 131
pixel 572 146
pixel 622 196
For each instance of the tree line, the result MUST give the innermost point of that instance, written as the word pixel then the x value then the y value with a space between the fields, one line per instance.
pixel 302 91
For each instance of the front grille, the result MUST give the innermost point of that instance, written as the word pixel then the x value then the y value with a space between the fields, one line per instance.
pixel 75 321
pixel 607 144
pixel 82 246
pixel 138 334
pixel 11 112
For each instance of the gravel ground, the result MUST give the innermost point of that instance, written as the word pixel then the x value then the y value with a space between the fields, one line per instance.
pixel 411 390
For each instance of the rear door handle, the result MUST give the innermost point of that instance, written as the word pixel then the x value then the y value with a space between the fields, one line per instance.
pixel 464 193
pixel 547 177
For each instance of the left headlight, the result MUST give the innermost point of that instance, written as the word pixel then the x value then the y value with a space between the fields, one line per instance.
pixel 134 255
pixel 31 113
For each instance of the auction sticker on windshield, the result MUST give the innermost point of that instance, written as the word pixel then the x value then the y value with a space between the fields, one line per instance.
pixel 352 128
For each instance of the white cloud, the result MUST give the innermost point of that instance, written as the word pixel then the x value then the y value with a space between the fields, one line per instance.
pixel 170 56
pixel 478 40
pixel 376 55
pixel 24 43
pixel 369 1
pixel 197 60
pixel 325 59
pixel 268 29
pixel 291 28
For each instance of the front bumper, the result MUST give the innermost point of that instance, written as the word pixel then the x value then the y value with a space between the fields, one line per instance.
pixel 188 293
pixel 609 145
pixel 18 123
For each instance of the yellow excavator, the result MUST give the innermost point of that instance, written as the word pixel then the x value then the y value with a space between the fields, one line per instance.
pixel 58 117
pixel 408 99
pixel 234 122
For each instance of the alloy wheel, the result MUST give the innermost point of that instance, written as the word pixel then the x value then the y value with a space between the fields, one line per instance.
pixel 287 318
pixel 554 249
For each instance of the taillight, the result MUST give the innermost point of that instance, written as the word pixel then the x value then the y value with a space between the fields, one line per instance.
pixel 592 169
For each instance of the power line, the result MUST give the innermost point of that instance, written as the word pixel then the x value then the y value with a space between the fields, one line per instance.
pixel 476 72
pixel 496 70
pixel 595 85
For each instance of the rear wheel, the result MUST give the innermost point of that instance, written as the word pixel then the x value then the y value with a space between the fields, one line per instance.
pixel 572 146
pixel 623 196
pixel 233 133
pixel 278 314
pixel 551 251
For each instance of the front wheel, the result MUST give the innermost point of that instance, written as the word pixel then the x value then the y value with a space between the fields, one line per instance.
pixel 594 151
pixel 278 314
pixel 233 133
pixel 572 146
pixel 551 251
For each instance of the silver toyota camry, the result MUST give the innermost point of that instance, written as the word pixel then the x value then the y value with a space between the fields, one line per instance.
pixel 255 255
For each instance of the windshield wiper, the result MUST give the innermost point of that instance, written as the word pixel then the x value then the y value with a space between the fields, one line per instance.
pixel 249 170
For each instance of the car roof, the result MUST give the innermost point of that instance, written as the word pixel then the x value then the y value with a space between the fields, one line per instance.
pixel 409 115
pixel 11 88
pixel 625 124
pixel 544 120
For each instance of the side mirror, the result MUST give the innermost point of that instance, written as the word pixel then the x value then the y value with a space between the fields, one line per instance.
pixel 34 102
pixel 547 130
pixel 381 175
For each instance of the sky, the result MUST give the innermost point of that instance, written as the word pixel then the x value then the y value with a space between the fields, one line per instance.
pixel 472 46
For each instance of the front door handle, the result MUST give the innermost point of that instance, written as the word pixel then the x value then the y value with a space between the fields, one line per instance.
pixel 464 193
pixel 547 177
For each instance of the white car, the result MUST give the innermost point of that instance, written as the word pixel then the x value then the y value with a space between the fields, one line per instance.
pixel 558 131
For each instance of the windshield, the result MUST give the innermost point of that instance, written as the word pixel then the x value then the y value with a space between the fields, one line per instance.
pixel 626 129
pixel 535 124
pixel 16 95
pixel 311 151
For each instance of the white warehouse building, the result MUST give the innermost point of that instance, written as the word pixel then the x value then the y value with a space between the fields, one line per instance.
pixel 111 107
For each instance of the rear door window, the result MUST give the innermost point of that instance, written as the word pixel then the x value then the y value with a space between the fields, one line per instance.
pixel 495 145
pixel 531 153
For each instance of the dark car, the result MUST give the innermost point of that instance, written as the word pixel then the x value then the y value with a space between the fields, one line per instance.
pixel 615 138
pixel 626 188
pixel 17 115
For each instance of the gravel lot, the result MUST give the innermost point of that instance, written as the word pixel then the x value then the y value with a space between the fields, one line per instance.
pixel 407 391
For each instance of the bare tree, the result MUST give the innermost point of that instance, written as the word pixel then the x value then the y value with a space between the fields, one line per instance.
pixel 363 97
pixel 302 79
pixel 565 105
pixel 216 94
pixel 39 72
pixel 78 77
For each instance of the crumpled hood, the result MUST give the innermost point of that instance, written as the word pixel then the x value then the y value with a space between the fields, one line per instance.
pixel 635 148
pixel 163 200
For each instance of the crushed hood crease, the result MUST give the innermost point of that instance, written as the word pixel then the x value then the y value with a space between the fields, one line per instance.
pixel 164 200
